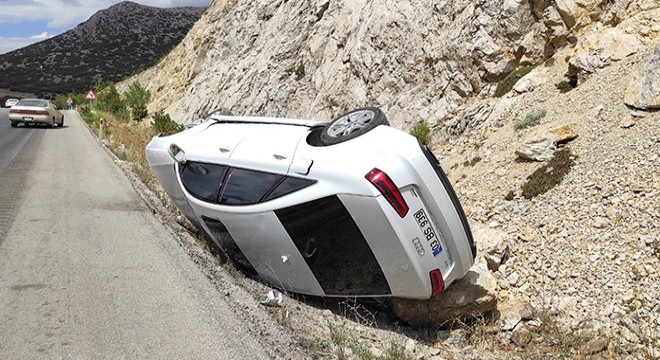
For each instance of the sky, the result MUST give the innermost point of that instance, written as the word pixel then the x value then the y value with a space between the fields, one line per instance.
pixel 24 22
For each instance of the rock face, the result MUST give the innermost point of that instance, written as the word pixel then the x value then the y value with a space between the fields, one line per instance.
pixel 418 60
pixel 644 89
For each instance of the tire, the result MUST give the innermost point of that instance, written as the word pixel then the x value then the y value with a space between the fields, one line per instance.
pixel 352 124
pixel 62 121
pixel 14 124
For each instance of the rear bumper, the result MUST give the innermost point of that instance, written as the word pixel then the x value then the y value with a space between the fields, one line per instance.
pixel 30 119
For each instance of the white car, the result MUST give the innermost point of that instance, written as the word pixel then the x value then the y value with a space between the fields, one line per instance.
pixel 35 112
pixel 10 102
pixel 351 208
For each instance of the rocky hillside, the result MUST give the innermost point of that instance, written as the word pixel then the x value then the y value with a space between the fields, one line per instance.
pixel 113 43
pixel 545 114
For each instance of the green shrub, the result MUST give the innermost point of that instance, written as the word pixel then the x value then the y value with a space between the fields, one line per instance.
pixel 511 79
pixel 108 99
pixel 164 125
pixel 60 102
pixel 136 98
pixel 531 119
pixel 421 131
pixel 549 175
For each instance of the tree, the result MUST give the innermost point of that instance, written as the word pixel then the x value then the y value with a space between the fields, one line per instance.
pixel 109 100
pixel 136 98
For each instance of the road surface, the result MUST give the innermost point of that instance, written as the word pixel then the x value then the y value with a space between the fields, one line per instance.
pixel 86 270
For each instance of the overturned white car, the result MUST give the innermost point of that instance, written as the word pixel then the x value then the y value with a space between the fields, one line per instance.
pixel 350 208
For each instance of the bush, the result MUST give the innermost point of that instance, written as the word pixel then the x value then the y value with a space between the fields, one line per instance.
pixel 421 131
pixel 136 98
pixel 511 79
pixel 109 100
pixel 164 125
pixel 531 119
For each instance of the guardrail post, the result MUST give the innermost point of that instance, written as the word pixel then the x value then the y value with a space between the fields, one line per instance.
pixel 101 129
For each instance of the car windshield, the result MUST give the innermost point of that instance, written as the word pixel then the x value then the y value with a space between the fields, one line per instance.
pixel 39 103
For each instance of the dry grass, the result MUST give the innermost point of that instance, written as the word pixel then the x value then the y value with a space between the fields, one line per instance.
pixel 128 141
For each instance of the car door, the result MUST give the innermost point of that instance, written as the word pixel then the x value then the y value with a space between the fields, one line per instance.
pixel 262 147
pixel 268 148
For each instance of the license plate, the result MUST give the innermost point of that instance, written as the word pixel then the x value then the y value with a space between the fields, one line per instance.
pixel 429 233
pixel 27 119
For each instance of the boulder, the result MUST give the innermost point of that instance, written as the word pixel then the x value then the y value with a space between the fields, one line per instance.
pixel 539 150
pixel 492 245
pixel 567 10
pixel 643 91
pixel 562 134
pixel 473 297
pixel 468 118
pixel 600 48
pixel 512 312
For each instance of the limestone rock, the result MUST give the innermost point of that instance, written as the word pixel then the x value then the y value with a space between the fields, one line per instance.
pixel 643 91
pixel 533 79
pixel 628 122
pixel 492 245
pixel 540 150
pixel 601 47
pixel 562 134
pixel 472 297
pixel 594 114
pixel 512 312
pixel 469 118
pixel 567 10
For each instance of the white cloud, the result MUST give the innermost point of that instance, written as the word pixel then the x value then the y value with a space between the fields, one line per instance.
pixel 9 44
pixel 43 36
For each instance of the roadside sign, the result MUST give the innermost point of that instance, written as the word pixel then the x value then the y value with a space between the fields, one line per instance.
pixel 90 95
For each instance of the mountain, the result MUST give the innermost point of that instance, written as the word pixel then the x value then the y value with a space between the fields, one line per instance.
pixel 569 248
pixel 113 43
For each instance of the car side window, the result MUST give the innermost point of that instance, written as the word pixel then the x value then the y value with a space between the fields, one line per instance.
pixel 245 187
pixel 203 180
pixel 289 185
pixel 221 184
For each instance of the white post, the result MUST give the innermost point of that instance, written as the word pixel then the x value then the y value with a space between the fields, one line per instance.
pixel 101 129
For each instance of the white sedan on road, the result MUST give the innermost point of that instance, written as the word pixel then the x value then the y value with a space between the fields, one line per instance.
pixel 34 112
pixel 350 208
pixel 10 102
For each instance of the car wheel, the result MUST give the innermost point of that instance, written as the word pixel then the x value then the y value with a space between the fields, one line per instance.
pixel 352 124
pixel 62 121
pixel 14 124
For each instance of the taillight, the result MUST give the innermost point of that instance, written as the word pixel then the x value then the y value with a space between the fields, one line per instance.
pixel 28 112
pixel 437 284
pixel 390 191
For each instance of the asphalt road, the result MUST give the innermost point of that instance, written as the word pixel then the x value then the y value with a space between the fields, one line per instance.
pixel 86 270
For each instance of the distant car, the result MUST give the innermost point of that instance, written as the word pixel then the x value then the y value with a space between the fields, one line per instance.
pixel 35 111
pixel 10 102
pixel 351 208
